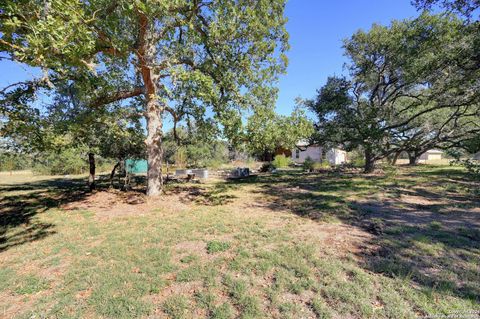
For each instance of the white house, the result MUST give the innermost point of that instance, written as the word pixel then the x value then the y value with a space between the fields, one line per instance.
pixel 431 155
pixel 318 153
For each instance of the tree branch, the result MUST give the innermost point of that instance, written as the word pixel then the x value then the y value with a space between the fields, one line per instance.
pixel 117 96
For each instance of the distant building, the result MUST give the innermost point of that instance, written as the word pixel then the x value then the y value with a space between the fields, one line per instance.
pixel 317 153
pixel 431 155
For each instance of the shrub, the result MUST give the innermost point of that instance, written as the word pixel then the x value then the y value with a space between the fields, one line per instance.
pixel 281 161
pixel 67 161
pixel 471 165
pixel 357 158
pixel 11 161
pixel 308 164
pixel 358 162
pixel 323 165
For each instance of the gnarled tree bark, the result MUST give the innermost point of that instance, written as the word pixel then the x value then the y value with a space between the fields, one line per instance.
pixel 146 56
pixel 154 149
pixel 413 158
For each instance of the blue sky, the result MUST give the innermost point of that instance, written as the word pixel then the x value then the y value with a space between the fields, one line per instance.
pixel 317 28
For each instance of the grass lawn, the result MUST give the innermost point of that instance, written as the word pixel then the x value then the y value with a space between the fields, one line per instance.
pixel 289 245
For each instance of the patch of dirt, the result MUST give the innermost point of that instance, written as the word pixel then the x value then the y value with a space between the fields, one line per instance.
pixel 113 203
pixel 84 294
pixel 421 201
pixel 193 246
pixel 186 248
pixel 339 238
pixel 11 306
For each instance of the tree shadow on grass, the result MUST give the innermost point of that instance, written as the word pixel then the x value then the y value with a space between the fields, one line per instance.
pixel 213 196
pixel 439 259
pixel 315 196
pixel 435 245
pixel 21 203
pixel 434 241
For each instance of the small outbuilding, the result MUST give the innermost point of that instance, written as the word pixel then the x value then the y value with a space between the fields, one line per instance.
pixel 318 153
pixel 431 155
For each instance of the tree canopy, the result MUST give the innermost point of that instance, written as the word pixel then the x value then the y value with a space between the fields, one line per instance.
pixel 267 131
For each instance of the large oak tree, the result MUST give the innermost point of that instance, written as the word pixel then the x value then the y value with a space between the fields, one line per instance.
pixel 399 77
pixel 186 58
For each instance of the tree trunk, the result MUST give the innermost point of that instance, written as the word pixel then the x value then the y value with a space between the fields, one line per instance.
pixel 112 174
pixel 413 159
pixel 395 158
pixel 91 176
pixel 369 161
pixel 126 181
pixel 166 173
pixel 146 54
pixel 154 149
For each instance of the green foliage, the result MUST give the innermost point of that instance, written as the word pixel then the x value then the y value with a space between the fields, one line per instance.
pixel 356 158
pixel 13 161
pixel 308 164
pixel 207 155
pixel 267 131
pixel 466 8
pixel 207 301
pixel 194 147
pixel 70 160
pixel 224 311
pixel 390 171
pixel 473 166
pixel 249 305
pixel 321 309
pixel 460 157
pixel 281 161
pixel 321 165
pixel 66 161
pixel 215 246
pixel 180 157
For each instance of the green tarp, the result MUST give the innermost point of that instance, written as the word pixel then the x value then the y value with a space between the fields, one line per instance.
pixel 136 166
